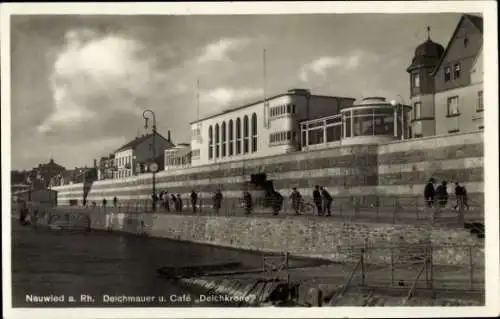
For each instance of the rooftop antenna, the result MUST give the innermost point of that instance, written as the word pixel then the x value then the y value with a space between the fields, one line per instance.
pixel 264 84
pixel 428 33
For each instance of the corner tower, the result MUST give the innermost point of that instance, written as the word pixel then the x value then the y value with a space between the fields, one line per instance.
pixel 427 56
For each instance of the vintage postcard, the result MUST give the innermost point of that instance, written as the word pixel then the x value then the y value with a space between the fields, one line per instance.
pixel 250 159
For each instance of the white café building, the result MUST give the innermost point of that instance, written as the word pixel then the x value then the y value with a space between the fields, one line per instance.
pixel 260 129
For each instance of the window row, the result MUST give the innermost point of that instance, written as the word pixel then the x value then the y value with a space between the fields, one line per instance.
pixel 178 160
pixel 232 138
pixel 456 72
pixel 282 109
pixel 123 161
pixel 280 137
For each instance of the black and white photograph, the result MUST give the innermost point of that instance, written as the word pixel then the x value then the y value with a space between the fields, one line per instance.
pixel 250 159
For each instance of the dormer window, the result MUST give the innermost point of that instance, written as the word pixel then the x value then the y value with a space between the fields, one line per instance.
pixel 447 74
pixel 456 71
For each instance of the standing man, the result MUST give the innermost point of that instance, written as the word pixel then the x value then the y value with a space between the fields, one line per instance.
pixel 461 195
pixel 217 201
pixel 154 197
pixel 327 201
pixel 180 205
pixel 247 200
pixel 296 199
pixel 430 192
pixel 104 201
pixel 166 203
pixel 194 200
pixel 115 201
pixel 174 200
pixel 317 200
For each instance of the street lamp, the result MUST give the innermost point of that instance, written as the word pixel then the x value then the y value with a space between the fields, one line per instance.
pixel 153 167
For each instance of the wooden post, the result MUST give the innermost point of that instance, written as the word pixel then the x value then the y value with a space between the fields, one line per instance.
pixel 362 261
pixel 471 266
pixel 431 270
pixel 392 266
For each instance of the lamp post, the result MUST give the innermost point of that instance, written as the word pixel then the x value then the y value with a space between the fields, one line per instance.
pixel 153 167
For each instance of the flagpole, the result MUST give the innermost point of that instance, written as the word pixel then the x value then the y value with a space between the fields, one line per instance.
pixel 197 99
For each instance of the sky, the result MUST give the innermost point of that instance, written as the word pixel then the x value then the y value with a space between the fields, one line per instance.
pixel 79 84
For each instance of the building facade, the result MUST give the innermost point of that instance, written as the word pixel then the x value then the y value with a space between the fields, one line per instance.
pixel 178 157
pixel 136 156
pixel 446 85
pixel 259 129
pixel 373 120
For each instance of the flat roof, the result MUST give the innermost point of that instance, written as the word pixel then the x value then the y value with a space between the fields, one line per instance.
pixel 267 99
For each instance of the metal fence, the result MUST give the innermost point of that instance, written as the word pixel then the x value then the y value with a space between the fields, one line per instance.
pixel 355 208
pixel 408 268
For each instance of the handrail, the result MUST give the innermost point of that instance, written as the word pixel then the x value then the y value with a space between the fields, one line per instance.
pixel 414 285
pixel 341 291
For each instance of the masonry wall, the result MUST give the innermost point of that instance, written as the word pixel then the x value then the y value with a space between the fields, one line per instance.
pixel 397 170
pixel 318 238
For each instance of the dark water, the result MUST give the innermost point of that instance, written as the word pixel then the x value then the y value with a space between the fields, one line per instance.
pixel 97 263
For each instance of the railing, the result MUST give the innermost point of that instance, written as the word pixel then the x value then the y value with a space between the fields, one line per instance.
pixel 398 210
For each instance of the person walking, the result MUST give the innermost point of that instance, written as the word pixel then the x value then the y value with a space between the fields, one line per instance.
pixel 115 201
pixel 104 202
pixel 194 200
pixel 327 201
pixel 429 192
pixel 461 195
pixel 217 198
pixel 296 199
pixel 317 200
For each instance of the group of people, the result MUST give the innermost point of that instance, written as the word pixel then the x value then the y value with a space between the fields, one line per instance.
pixel 438 196
pixel 321 197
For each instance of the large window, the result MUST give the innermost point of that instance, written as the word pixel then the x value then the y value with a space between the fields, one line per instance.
pixel 245 134
pixel 254 132
pixel 417 106
pixel 456 71
pixel 217 141
pixel 452 106
pixel 416 80
pixel 210 142
pixel 480 106
pixel 238 136
pixel 231 138
pixel 224 139
pixel 447 74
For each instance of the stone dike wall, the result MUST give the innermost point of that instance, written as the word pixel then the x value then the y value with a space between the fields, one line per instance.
pixel 315 238
pixel 397 170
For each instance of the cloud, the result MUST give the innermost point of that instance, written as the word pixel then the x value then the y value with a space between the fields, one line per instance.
pixel 219 51
pixel 322 65
pixel 95 75
pixel 224 96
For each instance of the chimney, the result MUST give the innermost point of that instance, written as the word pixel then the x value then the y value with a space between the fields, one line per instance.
pixel 168 136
